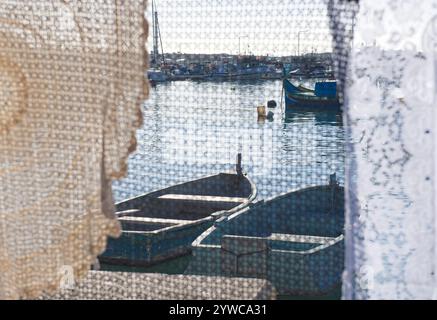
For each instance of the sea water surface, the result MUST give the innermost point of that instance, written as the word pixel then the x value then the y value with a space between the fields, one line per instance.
pixel 192 129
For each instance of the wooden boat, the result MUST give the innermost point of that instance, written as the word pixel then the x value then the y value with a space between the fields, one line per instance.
pixel 323 98
pixel 160 225
pixel 156 75
pixel 294 240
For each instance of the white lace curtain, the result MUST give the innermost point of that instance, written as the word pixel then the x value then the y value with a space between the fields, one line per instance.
pixel 391 121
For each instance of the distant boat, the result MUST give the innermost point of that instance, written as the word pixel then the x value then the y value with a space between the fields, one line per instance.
pixel 156 75
pixel 161 225
pixel 273 73
pixel 245 68
pixel 247 72
pixel 294 240
pixel 323 97
pixel 252 71
pixel 179 74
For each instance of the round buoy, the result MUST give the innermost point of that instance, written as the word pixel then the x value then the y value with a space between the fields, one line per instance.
pixel 271 104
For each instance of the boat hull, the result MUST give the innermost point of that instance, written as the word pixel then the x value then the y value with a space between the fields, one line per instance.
pixel 143 249
pixel 295 241
pixel 294 102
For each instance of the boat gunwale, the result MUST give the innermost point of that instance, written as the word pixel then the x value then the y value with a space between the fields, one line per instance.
pixel 318 248
pixel 214 216
pixel 301 105
pixel 198 242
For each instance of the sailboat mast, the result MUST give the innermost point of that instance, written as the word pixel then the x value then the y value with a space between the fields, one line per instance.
pixel 155 32
pixel 160 39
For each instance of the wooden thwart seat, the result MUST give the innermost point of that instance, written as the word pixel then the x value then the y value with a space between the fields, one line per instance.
pixel 153 220
pixel 127 212
pixel 193 197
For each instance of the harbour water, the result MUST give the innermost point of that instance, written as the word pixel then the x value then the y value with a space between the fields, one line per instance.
pixel 192 129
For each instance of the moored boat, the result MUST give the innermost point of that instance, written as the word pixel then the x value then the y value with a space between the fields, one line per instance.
pixel 294 240
pixel 323 97
pixel 161 225
pixel 156 75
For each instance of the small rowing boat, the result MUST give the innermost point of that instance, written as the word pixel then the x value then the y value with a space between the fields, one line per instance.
pixel 294 240
pixel 322 98
pixel 161 225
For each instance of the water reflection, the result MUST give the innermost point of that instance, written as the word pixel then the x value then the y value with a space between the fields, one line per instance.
pixel 320 118
pixel 193 129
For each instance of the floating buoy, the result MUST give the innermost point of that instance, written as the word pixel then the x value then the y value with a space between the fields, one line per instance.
pixel 271 104
pixel 261 111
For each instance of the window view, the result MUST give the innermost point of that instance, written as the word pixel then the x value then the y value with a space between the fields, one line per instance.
pixel 217 150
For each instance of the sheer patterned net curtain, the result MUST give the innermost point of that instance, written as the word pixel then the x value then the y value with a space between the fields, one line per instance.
pixel 391 218
pixel 233 188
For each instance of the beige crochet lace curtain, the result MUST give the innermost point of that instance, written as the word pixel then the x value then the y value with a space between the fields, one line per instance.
pixel 71 85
